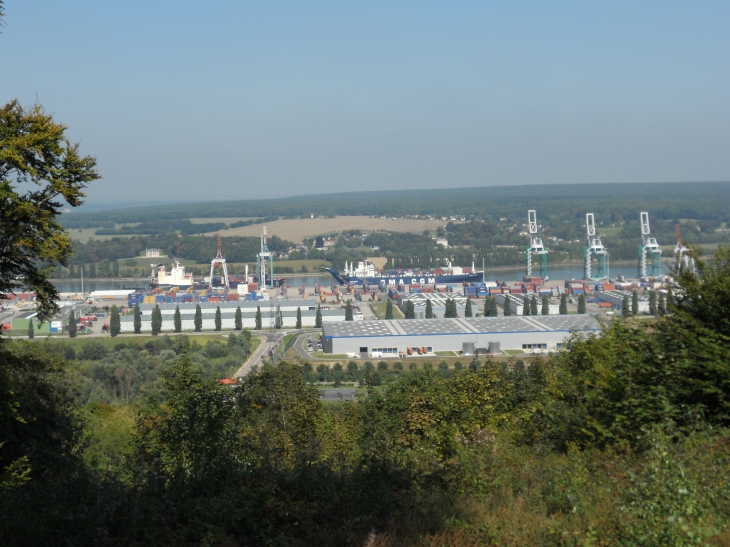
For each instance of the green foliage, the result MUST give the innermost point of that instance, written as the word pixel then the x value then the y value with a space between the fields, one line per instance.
pixel 450 309
pixel 198 319
pixel 299 317
pixel 662 305
pixel 137 320
pixel 507 308
pixel 156 321
pixel 71 324
pixel 625 309
pixel 258 317
pixel 545 309
pixel 563 304
pixel 652 303
pixel 533 305
pixel 177 320
pixel 41 171
pixel 429 310
pixel 526 306
pixel 581 303
pixel 635 303
pixel 31 331
pixel 348 311
pixel 389 309
pixel 468 312
pixel 217 320
pixel 410 310
pixel 238 319
pixel 115 326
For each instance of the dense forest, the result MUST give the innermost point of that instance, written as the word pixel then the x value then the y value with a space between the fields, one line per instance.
pixel 621 439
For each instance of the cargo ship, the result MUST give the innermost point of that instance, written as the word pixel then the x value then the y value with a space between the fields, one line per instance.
pixel 176 277
pixel 367 273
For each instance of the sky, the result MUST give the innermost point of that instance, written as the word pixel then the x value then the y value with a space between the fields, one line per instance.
pixel 183 100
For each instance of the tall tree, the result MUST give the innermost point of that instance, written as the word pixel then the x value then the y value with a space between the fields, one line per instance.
pixel 526 306
pixel 318 318
pixel 198 319
pixel 177 320
pixel 279 318
pixel 488 306
pixel 429 310
pixel 410 310
pixel 115 268
pixel 389 309
pixel 92 270
pixel 115 326
pixel 41 172
pixel 545 305
pixel 71 324
pixel 137 320
pixel 625 309
pixel 507 305
pixel 581 303
pixel 662 305
pixel 652 303
pixel 258 317
pixel 218 320
pixel 468 312
pixel 156 320
pixel 348 311
pixel 533 305
pixel 31 331
pixel 299 318
pixel 238 320
pixel 493 307
pixel 563 304
pixel 635 303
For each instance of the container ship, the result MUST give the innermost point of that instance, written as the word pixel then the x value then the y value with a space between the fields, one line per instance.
pixel 176 277
pixel 367 273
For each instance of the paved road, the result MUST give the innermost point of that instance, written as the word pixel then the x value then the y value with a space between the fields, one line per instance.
pixel 268 342
pixel 299 345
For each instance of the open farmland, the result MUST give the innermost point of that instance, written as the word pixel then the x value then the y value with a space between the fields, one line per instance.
pixel 296 229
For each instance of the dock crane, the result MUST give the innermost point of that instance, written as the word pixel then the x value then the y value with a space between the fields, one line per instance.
pixel 681 254
pixel 261 260
pixel 650 253
pixel 218 262
pixel 536 247
pixel 594 249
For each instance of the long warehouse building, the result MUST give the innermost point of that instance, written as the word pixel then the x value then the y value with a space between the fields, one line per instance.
pixel 395 337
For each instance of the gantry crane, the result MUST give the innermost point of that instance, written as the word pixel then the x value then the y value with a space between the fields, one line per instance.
pixel 594 249
pixel 218 262
pixel 681 254
pixel 536 247
pixel 261 260
pixel 650 253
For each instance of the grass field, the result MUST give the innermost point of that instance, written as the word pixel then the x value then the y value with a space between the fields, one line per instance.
pixel 109 342
pixel 297 229
pixel 379 310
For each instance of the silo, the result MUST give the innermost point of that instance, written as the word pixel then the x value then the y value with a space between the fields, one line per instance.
pixel 494 348
pixel 467 348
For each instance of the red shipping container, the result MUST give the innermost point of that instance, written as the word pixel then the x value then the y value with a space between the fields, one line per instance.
pixel 214 299
pixel 233 296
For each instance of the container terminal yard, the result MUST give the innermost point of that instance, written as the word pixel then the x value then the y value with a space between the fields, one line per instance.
pixel 366 290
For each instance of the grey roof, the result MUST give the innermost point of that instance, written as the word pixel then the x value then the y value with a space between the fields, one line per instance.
pixel 471 325
pixel 243 304
pixel 246 314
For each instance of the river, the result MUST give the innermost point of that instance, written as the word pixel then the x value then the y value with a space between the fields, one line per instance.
pixel 561 271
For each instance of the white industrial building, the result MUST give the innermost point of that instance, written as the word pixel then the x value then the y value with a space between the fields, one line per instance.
pixel 617 299
pixel 438 303
pixel 288 309
pixel 395 337
pixel 517 303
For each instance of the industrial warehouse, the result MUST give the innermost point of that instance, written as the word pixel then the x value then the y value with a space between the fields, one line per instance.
pixel 481 334
pixel 286 309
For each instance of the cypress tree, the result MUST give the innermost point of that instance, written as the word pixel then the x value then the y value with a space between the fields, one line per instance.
pixel 177 320
pixel 410 310
pixel 526 307
pixel 238 320
pixel 31 330
pixel 218 319
pixel 429 310
pixel 348 311
pixel 507 305
pixel 652 303
pixel 563 304
pixel 625 310
pixel 318 318
pixel 299 318
pixel 662 306
pixel 71 324
pixel 468 311
pixel 545 305
pixel 389 309
pixel 198 320
pixel 156 321
pixel 582 303
pixel 533 305
pixel 115 325
pixel 493 307
pixel 137 320
pixel 488 306
pixel 258 317
pixel 635 303
pixel 279 319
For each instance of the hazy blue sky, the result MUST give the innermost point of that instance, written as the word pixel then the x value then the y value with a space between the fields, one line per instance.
pixel 214 99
